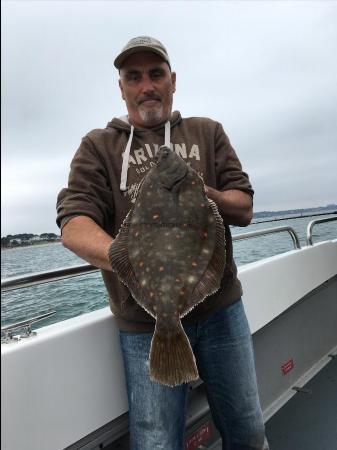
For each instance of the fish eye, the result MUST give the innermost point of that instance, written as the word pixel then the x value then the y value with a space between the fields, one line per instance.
pixel 165 150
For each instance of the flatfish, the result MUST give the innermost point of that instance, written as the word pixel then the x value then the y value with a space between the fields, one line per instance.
pixel 170 253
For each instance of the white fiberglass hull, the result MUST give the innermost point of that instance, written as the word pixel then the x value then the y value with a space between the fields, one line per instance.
pixel 68 381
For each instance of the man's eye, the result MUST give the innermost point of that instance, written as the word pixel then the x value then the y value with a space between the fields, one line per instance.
pixel 156 74
pixel 133 76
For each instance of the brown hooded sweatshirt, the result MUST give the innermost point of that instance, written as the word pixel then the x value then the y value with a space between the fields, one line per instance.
pixel 94 191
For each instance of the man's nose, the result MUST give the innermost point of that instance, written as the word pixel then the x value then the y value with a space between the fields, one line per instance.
pixel 147 84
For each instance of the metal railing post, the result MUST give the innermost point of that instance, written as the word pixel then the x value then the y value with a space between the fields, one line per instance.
pixel 313 223
pixel 265 231
pixel 48 276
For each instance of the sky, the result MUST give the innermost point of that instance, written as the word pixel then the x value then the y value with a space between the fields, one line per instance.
pixel 267 70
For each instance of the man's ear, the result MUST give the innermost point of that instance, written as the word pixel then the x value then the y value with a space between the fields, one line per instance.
pixel 121 88
pixel 174 78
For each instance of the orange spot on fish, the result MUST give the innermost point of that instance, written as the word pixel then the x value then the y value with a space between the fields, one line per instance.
pixel 161 269
pixel 194 264
pixel 155 216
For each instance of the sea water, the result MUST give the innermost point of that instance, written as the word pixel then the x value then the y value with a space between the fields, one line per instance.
pixel 82 294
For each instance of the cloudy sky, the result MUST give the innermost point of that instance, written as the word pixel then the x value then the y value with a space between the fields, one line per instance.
pixel 266 70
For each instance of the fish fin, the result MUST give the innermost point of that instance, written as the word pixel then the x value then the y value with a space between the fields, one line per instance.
pixel 119 257
pixel 172 360
pixel 210 281
pixel 121 265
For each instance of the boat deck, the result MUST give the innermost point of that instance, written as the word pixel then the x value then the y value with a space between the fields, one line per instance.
pixel 308 421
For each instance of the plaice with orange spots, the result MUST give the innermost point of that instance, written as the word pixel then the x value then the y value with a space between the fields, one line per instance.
pixel 170 253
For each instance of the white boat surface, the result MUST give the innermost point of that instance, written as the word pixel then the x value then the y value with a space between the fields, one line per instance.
pixel 64 388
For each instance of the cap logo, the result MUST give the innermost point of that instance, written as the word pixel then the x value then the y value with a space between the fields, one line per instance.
pixel 146 41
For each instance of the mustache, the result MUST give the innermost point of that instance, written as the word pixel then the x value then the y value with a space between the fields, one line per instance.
pixel 149 97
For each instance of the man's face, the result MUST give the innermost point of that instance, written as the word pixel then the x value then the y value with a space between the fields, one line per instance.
pixel 147 86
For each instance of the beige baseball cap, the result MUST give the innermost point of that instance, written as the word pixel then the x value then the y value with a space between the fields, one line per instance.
pixel 139 44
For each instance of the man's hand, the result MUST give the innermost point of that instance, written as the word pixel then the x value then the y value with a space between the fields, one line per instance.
pixel 234 206
pixel 88 240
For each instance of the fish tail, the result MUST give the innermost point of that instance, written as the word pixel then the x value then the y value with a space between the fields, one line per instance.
pixel 171 357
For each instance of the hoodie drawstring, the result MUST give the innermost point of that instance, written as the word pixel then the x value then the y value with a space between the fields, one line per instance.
pixel 126 154
pixel 167 134
pixel 126 161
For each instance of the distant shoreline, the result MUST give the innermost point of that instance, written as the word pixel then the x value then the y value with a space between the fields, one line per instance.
pixel 302 216
pixel 320 211
pixel 39 244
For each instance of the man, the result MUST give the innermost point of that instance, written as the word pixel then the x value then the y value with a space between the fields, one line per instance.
pixel 105 175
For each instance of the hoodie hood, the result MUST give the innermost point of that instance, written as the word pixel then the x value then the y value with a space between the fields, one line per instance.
pixel 122 124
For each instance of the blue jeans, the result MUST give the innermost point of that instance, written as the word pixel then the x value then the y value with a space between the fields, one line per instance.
pixel 222 346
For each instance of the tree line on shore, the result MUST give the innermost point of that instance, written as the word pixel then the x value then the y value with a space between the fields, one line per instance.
pixel 331 208
pixel 23 239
